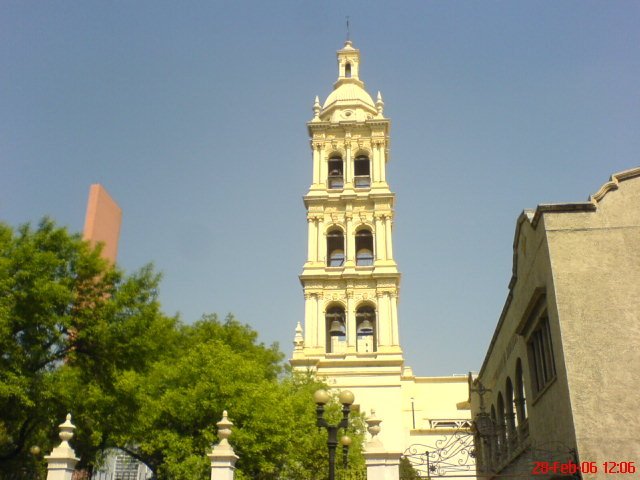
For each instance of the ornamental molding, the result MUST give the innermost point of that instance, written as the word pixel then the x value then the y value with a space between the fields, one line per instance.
pixel 613 183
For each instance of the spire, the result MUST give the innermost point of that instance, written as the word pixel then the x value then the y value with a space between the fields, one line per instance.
pixel 298 340
pixel 348 31
pixel 379 105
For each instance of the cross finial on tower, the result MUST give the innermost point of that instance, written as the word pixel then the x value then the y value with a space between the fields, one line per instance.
pixel 348 32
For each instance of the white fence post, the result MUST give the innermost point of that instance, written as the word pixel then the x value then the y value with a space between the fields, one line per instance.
pixel 381 465
pixel 223 458
pixel 62 461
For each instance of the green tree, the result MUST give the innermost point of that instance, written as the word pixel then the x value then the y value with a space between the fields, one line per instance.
pixel 221 367
pixel 78 335
pixel 70 324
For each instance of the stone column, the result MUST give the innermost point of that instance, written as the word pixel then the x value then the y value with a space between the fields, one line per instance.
pixel 62 461
pixel 223 458
pixel 350 240
pixel 320 321
pixel 387 232
pixel 312 250
pixel 309 308
pixel 381 159
pixel 394 319
pixel 384 319
pixel 322 165
pixel 351 322
pixel 348 162
pixel 316 163
pixel 381 465
pixel 379 237
pixel 322 241
pixel 375 163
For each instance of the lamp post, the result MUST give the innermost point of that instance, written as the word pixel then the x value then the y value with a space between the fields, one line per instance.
pixel 321 397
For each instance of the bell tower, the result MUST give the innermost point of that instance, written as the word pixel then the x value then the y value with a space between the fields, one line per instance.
pixel 350 279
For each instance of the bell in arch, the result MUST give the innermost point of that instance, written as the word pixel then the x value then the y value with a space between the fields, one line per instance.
pixel 365 327
pixel 337 329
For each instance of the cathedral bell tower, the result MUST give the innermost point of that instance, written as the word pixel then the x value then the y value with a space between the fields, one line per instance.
pixel 350 279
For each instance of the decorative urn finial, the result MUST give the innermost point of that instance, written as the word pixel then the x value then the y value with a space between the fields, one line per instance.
pixel 224 430
pixel 66 430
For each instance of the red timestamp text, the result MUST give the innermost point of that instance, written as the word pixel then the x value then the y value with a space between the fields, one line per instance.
pixel 544 468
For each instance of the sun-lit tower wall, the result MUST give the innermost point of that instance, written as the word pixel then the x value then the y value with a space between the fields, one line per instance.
pixel 350 278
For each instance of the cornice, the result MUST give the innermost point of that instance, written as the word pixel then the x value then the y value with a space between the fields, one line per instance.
pixel 613 183
pixel 533 217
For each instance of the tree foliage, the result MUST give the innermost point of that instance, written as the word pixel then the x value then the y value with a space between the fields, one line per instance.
pixel 69 325
pixel 220 367
pixel 78 335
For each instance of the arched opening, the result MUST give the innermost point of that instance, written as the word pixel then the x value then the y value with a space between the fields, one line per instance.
pixel 510 416
pixel 336 328
pixel 366 338
pixel 494 437
pixel 335 248
pixel 501 430
pixel 336 172
pixel 364 247
pixel 520 403
pixel 347 70
pixel 361 172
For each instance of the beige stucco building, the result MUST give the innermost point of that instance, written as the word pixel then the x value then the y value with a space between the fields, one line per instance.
pixel 563 368
pixel 350 279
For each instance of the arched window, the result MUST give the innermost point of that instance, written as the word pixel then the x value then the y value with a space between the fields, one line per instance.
pixel 366 329
pixel 520 403
pixel 361 172
pixel 347 70
pixel 336 329
pixel 364 247
pixel 494 437
pixel 501 430
pixel 510 415
pixel 336 172
pixel 335 248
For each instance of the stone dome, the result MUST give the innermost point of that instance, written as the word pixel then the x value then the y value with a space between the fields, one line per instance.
pixel 349 94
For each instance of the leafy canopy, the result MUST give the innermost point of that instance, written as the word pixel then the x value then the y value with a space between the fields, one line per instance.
pixel 78 335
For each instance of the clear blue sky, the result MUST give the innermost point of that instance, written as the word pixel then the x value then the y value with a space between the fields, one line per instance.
pixel 192 114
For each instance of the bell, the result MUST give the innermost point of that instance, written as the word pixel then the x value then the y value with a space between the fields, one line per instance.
pixel 365 327
pixel 337 329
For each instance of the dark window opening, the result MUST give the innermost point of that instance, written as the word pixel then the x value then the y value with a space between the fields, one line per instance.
pixel 543 368
pixel 335 248
pixel 347 70
pixel 336 329
pixel 362 172
pixel 364 248
pixel 501 430
pixel 366 329
pixel 510 416
pixel 336 172
pixel 520 400
pixel 493 445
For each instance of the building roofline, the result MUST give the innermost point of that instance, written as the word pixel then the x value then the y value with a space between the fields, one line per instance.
pixel 533 218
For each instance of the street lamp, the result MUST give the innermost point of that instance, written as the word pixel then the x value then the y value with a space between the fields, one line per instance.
pixel 321 397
